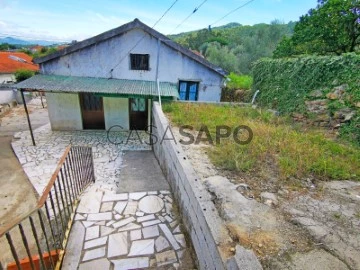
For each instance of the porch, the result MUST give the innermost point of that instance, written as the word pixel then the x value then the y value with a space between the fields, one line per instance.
pixel 87 103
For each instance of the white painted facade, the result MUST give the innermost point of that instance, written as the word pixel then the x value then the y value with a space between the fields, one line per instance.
pixel 7 78
pixel 6 94
pixel 111 59
pixel 98 61
pixel 116 112
pixel 64 111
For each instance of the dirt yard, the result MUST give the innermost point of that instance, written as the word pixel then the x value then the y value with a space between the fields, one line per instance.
pixel 307 224
pixel 17 195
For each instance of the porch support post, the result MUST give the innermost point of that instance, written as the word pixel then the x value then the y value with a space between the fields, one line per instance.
pixel 27 116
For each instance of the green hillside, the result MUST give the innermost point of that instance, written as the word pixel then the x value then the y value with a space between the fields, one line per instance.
pixel 235 47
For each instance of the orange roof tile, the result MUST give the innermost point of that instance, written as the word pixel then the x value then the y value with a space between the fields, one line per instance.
pixel 10 65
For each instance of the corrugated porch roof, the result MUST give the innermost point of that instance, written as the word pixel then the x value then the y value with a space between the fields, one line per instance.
pixel 102 86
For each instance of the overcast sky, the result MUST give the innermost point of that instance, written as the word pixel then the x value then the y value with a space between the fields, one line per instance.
pixel 66 20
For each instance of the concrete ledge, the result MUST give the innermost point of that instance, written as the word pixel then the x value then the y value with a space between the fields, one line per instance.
pixel 205 227
pixel 233 104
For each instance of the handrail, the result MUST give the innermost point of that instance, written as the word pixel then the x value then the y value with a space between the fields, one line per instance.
pixel 52 217
pixel 46 191
pixel 43 197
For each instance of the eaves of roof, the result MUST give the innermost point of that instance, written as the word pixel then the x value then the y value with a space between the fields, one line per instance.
pixel 123 29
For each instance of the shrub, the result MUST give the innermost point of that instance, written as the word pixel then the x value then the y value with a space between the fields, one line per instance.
pixel 23 74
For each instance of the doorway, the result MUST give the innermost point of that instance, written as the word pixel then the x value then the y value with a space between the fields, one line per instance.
pixel 138 113
pixel 92 111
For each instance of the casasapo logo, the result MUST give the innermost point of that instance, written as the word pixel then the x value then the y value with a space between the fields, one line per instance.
pixel 188 135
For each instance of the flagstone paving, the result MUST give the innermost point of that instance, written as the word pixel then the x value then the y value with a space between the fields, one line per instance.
pixel 40 161
pixel 146 236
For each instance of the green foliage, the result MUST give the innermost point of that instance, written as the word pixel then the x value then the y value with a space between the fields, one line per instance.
pixel 23 74
pixel 239 81
pixel 235 47
pixel 276 145
pixel 6 46
pixel 238 88
pixel 285 84
pixel 331 28
pixel 44 51
pixel 351 130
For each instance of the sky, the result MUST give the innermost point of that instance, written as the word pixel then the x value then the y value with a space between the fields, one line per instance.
pixel 66 20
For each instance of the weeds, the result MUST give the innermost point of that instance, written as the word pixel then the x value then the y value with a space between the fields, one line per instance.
pixel 294 153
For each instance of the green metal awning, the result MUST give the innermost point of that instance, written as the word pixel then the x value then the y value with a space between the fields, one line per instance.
pixel 99 86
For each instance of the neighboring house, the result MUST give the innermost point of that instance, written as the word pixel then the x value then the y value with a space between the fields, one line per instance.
pixel 10 62
pixel 111 79
pixel 36 48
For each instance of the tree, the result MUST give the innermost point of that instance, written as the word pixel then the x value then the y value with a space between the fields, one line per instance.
pixel 23 74
pixel 333 27
pixel 6 46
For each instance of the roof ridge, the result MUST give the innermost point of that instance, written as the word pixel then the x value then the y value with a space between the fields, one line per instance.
pixel 136 23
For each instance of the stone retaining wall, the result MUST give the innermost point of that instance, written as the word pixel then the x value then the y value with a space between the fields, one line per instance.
pixel 204 225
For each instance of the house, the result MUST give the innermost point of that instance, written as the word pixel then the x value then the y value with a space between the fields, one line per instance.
pixel 36 48
pixel 111 79
pixel 10 62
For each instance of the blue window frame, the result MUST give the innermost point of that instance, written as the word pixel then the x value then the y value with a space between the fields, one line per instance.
pixel 188 90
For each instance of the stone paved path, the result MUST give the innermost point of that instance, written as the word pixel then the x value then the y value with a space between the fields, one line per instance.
pixel 40 161
pixel 127 231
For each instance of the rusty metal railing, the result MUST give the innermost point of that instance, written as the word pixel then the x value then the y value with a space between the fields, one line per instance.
pixel 37 239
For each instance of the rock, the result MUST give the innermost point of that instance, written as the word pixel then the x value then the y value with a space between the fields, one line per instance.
pixel 344 115
pixel 316 93
pixel 324 117
pixel 298 116
pixel 337 92
pixel 315 259
pixel 317 106
pixel 269 198
pixel 340 89
pixel 244 259
pixel 332 96
pixel 357 105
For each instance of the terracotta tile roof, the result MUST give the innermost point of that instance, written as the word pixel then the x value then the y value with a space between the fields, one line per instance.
pixel 9 65
pixel 36 48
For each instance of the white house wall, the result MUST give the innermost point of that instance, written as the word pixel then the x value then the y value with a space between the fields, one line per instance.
pixel 7 77
pixel 64 111
pixel 111 58
pixel 116 112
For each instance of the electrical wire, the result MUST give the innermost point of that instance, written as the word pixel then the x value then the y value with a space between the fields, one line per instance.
pixel 236 9
pixel 192 13
pixel 165 13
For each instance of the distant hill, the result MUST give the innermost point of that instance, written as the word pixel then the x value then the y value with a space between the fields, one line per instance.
pixel 235 47
pixel 16 41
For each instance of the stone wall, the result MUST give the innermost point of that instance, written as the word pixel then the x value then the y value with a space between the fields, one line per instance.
pixel 213 246
pixel 207 231
pixel 328 108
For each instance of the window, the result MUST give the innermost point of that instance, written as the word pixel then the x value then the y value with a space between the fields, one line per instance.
pixel 139 61
pixel 188 90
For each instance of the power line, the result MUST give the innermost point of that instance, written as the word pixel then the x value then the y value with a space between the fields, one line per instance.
pixel 243 5
pixel 137 43
pixel 193 12
pixel 164 14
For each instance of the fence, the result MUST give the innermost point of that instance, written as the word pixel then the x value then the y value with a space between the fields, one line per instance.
pixel 37 240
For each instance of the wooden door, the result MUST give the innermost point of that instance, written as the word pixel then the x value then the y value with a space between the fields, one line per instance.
pixel 138 113
pixel 92 111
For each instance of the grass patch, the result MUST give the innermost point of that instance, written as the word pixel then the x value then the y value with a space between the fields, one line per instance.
pixel 240 81
pixel 276 144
